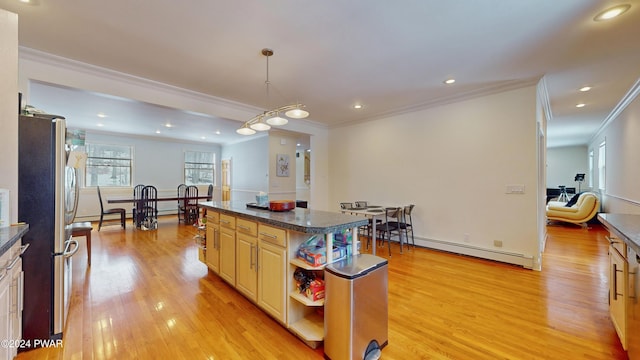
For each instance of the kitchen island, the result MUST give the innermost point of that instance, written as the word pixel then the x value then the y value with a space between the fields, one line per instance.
pixel 256 251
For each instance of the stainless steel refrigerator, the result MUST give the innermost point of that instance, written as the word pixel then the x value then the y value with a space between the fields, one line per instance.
pixel 47 200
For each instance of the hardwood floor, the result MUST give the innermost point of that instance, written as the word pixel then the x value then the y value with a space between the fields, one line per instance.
pixel 146 296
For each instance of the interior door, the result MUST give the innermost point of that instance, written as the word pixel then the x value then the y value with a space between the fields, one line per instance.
pixel 226 180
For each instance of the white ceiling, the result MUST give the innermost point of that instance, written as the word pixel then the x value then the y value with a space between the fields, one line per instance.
pixel 388 56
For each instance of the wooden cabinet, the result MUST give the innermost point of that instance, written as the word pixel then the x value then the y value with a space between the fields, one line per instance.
pixel 16 294
pixel 272 271
pixel 247 258
pixel 5 305
pixel 212 254
pixel 228 254
pixel 618 287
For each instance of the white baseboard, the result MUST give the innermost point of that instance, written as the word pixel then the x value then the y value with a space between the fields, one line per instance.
pixel 475 251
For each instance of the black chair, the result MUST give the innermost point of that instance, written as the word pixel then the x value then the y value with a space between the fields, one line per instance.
pixel 389 227
pixel 149 208
pixel 181 204
pixel 405 223
pixel 191 204
pixel 104 212
pixel 137 196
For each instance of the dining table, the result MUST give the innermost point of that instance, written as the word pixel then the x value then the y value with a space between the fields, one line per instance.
pixel 140 202
pixel 372 212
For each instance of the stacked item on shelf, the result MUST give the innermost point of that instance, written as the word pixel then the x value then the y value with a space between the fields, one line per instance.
pixel 314 251
pixel 309 283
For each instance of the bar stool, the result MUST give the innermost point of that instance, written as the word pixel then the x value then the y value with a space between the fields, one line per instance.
pixel 83 229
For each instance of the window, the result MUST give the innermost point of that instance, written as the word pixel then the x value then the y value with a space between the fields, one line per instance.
pixel 108 165
pixel 199 168
pixel 590 180
pixel 601 166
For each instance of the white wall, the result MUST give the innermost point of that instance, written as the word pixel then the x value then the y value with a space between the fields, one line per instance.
pixel 454 163
pixel 282 187
pixel 9 108
pixel 622 134
pixel 249 168
pixel 155 162
pixel 563 163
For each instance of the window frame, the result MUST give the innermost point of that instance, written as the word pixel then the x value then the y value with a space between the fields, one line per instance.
pixel 198 166
pixel 602 165
pixel 88 165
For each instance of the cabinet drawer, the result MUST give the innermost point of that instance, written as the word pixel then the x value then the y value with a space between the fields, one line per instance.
pixel 228 221
pixel 213 217
pixel 273 235
pixel 247 227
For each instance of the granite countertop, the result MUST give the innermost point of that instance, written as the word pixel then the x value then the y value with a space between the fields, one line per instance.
pixel 9 235
pixel 625 226
pixel 298 219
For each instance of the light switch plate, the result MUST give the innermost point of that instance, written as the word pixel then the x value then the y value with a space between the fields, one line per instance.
pixel 515 189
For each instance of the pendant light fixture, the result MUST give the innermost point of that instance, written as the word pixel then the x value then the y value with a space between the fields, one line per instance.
pixel 264 121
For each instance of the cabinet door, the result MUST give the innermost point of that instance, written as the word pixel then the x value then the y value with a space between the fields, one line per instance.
pixel 17 291
pixel 246 265
pixel 5 309
pixel 618 268
pixel 272 294
pixel 213 247
pixel 228 255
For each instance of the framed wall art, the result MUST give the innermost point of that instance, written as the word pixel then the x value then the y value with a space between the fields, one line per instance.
pixel 282 165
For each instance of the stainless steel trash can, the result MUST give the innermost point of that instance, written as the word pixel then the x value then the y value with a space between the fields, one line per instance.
pixel 356 308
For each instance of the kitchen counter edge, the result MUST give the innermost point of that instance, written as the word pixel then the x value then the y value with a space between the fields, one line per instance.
pixel 298 219
pixel 9 235
pixel 625 226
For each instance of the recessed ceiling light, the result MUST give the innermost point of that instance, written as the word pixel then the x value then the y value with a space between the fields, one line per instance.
pixel 610 13
pixel 203 137
pixel 218 132
pixel 157 131
pixel 449 81
pixel 357 106
pixel 585 88
pixel 580 105
pixel 100 124
pixel 298 144
pixel 168 125
pixel 101 115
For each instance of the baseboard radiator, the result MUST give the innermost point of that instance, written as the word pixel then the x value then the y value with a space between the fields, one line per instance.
pixel 475 251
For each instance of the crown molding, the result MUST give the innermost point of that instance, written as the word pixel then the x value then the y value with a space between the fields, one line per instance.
pixel 493 88
pixel 619 108
pixel 26 53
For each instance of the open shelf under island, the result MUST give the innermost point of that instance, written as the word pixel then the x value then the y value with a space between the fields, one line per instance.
pixel 255 251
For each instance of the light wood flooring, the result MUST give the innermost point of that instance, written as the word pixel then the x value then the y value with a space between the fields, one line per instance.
pixel 146 296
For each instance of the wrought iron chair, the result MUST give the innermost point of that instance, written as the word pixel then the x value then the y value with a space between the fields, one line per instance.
pixel 149 208
pixel 389 228
pixel 137 197
pixel 181 204
pixel 191 204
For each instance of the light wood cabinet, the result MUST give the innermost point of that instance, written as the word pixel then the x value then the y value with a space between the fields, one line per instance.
pixel 5 306
pixel 212 254
pixel 228 254
pixel 247 258
pixel 618 286
pixel 272 271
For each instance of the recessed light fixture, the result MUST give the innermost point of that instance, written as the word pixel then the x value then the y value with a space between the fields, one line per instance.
pixel 168 125
pixel 610 13
pixel 449 81
pixel 580 105
pixel 101 115
pixel 203 137
pixel 218 132
pixel 585 88
pixel 100 124
pixel 157 131
pixel 357 106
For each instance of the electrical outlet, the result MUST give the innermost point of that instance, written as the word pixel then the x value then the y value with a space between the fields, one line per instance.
pixel 497 243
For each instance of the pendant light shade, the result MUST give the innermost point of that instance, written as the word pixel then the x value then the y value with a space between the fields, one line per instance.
pixel 260 126
pixel 277 121
pixel 244 130
pixel 297 113
pixel 264 121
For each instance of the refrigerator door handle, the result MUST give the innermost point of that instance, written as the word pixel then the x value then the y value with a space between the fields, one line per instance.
pixel 68 251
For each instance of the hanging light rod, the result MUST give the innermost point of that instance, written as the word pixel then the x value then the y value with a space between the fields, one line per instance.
pixel 264 121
